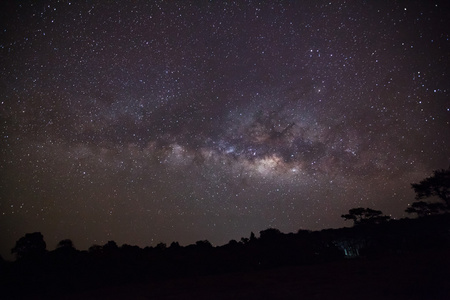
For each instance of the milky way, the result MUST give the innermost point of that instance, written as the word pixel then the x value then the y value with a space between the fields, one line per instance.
pixel 184 121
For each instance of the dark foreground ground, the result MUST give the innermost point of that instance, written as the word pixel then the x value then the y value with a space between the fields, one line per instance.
pixel 424 275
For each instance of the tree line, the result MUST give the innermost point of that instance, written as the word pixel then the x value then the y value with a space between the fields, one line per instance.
pixel 67 269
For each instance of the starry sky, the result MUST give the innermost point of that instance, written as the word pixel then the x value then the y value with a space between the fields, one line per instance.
pixel 158 121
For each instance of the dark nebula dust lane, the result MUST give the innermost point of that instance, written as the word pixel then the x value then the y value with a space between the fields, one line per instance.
pixel 148 122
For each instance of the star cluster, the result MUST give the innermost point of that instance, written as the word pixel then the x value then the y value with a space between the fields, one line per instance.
pixel 154 121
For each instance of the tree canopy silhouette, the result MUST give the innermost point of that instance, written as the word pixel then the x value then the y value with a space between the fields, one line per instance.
pixel 438 186
pixel 31 245
pixel 362 215
pixel 422 208
pixel 65 244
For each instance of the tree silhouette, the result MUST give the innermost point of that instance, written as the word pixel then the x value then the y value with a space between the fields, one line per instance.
pixel 65 244
pixel 252 237
pixel 175 245
pixel 65 248
pixel 244 240
pixel 204 244
pixel 438 186
pixel 95 249
pixel 110 246
pixel 161 246
pixel 31 245
pixel 269 234
pixel 362 215
pixel 422 208
pixel 233 243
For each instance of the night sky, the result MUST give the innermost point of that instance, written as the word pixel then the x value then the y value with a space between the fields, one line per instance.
pixel 182 121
